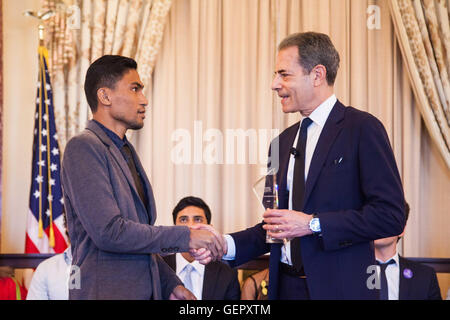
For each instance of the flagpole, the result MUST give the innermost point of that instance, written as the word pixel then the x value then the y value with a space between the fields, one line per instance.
pixel 45 187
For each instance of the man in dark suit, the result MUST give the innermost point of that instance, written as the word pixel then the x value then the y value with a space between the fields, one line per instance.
pixel 109 200
pixel 403 279
pixel 339 186
pixel 216 280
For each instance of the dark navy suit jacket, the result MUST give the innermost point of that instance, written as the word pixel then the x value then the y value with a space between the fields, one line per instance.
pixel 418 283
pixel 354 187
pixel 220 281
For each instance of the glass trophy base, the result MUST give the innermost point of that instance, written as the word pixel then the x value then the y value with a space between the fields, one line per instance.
pixel 269 239
pixel 273 240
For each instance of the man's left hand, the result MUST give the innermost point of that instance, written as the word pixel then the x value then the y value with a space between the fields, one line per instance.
pixel 181 293
pixel 286 224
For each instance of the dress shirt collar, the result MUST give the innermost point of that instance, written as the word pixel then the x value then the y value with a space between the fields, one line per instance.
pixel 394 257
pixel 181 263
pixel 113 136
pixel 68 255
pixel 320 115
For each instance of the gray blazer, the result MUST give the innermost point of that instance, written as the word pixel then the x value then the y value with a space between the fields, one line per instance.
pixel 114 243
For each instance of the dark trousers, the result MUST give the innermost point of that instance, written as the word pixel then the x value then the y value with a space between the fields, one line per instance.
pixel 292 288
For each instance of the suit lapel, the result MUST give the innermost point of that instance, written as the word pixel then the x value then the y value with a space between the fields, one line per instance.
pixel 171 261
pixel 117 155
pixel 209 282
pixel 148 187
pixel 330 131
pixel 404 291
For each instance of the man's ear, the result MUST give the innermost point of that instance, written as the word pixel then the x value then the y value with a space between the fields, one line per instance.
pixel 103 96
pixel 319 74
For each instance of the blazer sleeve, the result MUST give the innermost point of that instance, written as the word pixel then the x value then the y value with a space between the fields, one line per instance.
pixel 87 188
pixel 250 243
pixel 382 212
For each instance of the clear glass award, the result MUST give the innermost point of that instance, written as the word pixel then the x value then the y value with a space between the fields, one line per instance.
pixel 266 190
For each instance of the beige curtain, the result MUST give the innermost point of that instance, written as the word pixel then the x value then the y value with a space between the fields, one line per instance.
pixel 423 30
pixel 84 30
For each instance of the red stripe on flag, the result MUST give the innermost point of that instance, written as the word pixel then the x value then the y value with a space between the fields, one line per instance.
pixel 60 242
pixel 30 246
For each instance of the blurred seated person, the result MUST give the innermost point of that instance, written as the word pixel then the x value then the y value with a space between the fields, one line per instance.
pixel 50 281
pixel 10 288
pixel 256 286
pixel 215 281
pixel 405 279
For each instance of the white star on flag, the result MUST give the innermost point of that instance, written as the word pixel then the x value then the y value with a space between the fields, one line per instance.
pixel 61 200
pixel 46 190
pixel 39 179
pixel 55 136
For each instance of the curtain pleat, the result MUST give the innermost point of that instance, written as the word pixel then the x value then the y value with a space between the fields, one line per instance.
pixel 422 36
pixel 106 27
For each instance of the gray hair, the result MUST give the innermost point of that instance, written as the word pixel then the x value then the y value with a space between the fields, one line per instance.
pixel 314 49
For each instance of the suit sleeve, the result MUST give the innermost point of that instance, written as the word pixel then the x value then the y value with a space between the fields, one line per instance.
pixel 250 243
pixel 382 212
pixel 87 188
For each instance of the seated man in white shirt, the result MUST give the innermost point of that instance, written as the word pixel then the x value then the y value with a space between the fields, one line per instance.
pixel 215 281
pixel 51 279
pixel 405 279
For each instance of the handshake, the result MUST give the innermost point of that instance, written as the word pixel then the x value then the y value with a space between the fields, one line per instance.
pixel 206 244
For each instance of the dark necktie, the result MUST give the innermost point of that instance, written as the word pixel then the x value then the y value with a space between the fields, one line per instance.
pixel 384 292
pixel 298 190
pixel 137 179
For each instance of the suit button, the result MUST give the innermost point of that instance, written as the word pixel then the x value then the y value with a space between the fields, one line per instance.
pixel 345 243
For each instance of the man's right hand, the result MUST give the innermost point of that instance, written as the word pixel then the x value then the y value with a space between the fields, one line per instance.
pixel 206 238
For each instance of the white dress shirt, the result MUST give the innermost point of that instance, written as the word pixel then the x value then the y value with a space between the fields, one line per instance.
pixel 197 274
pixel 392 276
pixel 319 116
pixel 50 281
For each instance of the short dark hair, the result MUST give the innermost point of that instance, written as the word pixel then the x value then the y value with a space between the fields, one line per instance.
pixel 194 202
pixel 314 49
pixel 105 72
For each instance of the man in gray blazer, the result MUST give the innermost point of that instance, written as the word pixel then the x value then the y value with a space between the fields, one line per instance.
pixel 109 200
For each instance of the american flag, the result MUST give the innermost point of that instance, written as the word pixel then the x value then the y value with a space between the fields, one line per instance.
pixel 45 224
